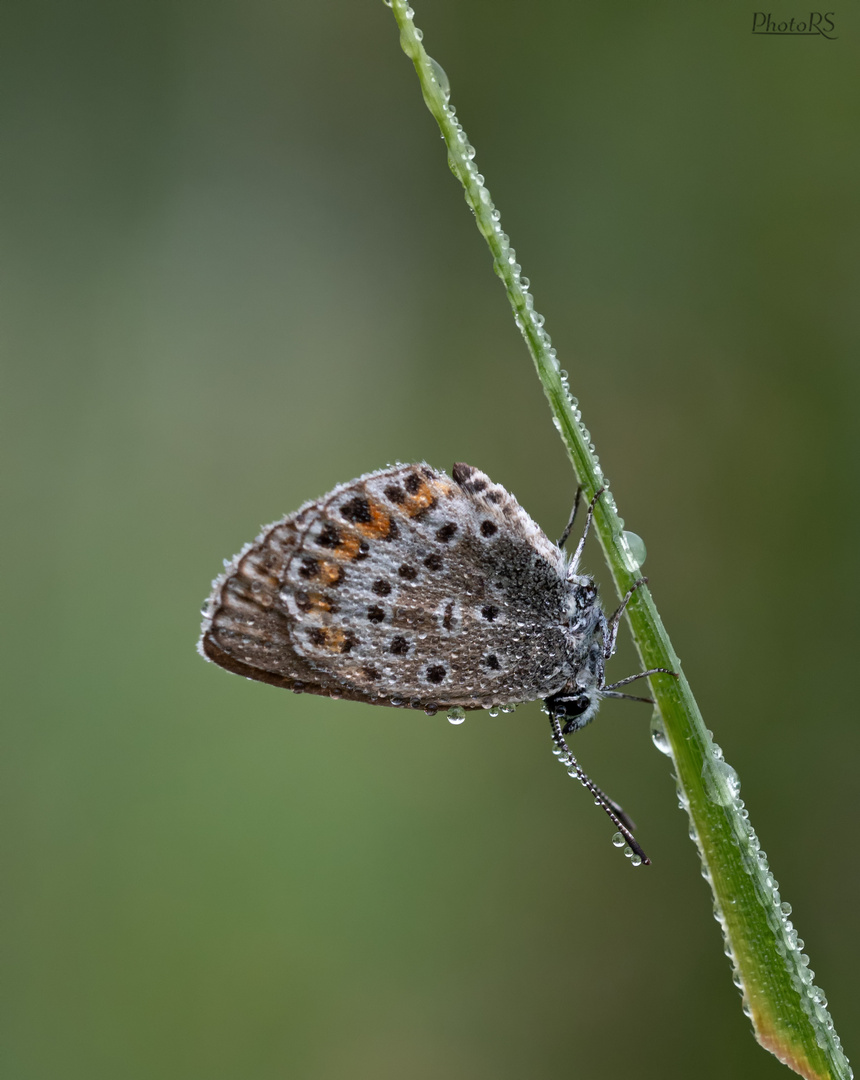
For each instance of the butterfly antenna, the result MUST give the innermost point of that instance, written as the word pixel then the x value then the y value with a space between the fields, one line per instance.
pixel 613 811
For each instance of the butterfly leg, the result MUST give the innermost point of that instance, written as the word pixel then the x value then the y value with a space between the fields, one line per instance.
pixel 569 526
pixel 577 555
pixel 610 634
pixel 610 691
pixel 611 629
pixel 607 691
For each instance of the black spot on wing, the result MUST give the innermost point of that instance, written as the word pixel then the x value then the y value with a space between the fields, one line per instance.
pixel 329 537
pixel 357 510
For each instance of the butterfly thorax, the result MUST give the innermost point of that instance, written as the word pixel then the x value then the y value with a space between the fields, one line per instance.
pixel 579 699
pixel 583 609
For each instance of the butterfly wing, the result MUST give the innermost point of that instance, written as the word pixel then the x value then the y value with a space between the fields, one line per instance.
pixel 401 586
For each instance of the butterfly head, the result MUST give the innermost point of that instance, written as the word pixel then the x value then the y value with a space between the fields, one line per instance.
pixel 575 706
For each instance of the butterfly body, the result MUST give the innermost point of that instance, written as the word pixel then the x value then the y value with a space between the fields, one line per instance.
pixel 407 587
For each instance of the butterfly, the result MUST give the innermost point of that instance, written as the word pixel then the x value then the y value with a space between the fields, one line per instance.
pixel 409 588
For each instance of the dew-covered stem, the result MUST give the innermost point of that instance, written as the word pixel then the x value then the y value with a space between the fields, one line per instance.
pixel 788 1012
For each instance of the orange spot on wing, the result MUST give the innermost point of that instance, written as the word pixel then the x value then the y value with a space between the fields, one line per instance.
pixel 421 500
pixel 329 573
pixel 379 525
pixel 349 546
pixel 318 602
pixel 339 641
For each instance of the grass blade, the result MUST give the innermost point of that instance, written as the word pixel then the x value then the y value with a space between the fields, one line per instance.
pixel 788 1012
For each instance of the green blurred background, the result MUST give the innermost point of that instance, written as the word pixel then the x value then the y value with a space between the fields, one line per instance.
pixel 237 272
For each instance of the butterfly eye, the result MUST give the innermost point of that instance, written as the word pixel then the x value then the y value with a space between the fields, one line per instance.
pixel 575 706
pixel 569 708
